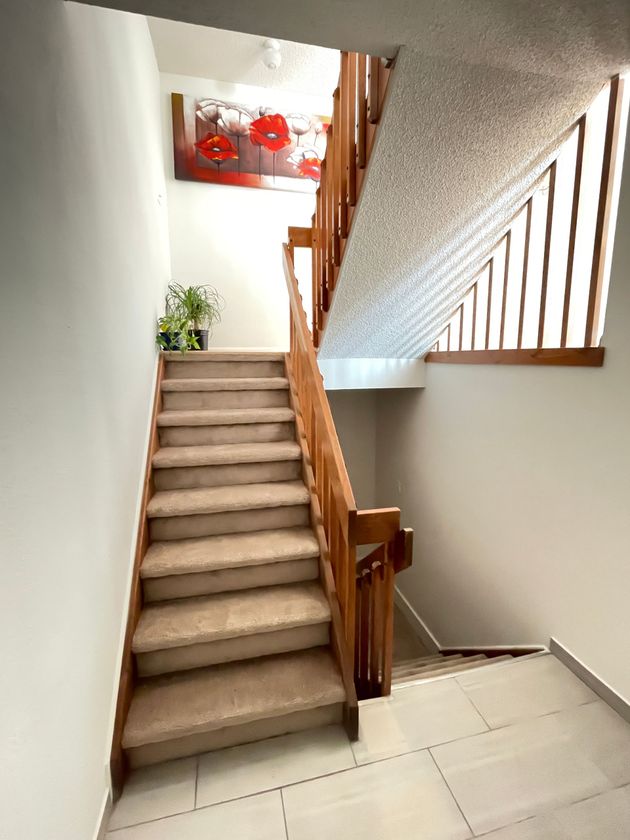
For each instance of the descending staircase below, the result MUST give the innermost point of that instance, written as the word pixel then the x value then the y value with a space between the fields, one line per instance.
pixel 233 640
pixel 440 665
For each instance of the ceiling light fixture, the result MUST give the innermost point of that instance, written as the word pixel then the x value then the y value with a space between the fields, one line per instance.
pixel 272 57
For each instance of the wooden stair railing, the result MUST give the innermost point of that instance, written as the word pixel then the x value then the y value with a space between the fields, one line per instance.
pixel 357 107
pixel 339 525
pixel 375 614
pixel 540 297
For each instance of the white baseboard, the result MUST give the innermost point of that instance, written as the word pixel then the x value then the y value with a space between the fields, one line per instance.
pixel 104 815
pixel 417 624
pixel 599 686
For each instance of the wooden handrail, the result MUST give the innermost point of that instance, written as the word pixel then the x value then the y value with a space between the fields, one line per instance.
pixel 358 105
pixel 339 525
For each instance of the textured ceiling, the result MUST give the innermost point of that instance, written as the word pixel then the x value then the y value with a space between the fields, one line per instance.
pixel 190 50
pixel 459 148
pixel 559 37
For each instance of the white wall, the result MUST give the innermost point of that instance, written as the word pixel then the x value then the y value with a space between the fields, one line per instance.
pixel 516 481
pixel 231 237
pixel 83 263
pixel 354 414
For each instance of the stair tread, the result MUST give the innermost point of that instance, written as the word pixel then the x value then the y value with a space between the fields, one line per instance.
pixel 445 662
pixel 424 660
pixel 243 383
pixel 228 551
pixel 220 499
pixel 463 665
pixel 224 416
pixel 404 663
pixel 224 356
pixel 230 614
pixel 226 453
pixel 228 695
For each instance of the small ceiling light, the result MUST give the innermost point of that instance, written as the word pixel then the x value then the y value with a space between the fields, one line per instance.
pixel 272 57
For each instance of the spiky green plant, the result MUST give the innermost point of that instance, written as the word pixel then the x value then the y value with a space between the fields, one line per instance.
pixel 200 305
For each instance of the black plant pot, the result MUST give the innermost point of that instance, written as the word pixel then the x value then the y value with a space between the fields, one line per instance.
pixel 172 340
pixel 202 338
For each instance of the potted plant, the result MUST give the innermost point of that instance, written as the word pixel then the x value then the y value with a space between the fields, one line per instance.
pixel 201 307
pixel 173 333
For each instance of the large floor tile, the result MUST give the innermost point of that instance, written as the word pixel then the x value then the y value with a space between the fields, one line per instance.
pixel 524 689
pixel 403 798
pixel 604 817
pixel 415 717
pixel 254 818
pixel 253 768
pixel 154 792
pixel 536 766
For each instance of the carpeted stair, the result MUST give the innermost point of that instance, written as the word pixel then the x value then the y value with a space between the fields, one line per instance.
pixel 440 665
pixel 233 642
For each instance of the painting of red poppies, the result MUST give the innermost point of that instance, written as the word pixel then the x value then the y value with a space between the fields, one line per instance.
pixel 248 146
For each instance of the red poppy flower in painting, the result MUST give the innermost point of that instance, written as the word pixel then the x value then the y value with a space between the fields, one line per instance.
pixel 217 148
pixel 310 168
pixel 306 161
pixel 270 131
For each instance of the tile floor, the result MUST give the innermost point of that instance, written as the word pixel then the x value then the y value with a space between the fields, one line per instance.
pixel 515 751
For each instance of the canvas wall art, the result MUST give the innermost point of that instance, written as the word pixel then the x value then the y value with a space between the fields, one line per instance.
pixel 247 145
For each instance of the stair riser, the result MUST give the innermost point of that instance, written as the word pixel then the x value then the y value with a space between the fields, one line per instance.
pixel 169 660
pixel 229 580
pixel 437 666
pixel 229 522
pixel 220 370
pixel 235 433
pixel 177 400
pixel 454 669
pixel 230 736
pixel 226 474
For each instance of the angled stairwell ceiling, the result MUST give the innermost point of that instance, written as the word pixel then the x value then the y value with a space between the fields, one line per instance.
pixel 459 148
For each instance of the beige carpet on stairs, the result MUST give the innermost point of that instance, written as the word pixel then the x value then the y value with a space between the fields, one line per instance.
pixel 233 642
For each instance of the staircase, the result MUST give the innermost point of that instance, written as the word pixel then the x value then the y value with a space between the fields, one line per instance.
pixel 232 643
pixel 440 665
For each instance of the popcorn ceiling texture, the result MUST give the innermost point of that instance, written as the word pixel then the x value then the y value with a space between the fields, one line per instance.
pixel 459 148
pixel 570 38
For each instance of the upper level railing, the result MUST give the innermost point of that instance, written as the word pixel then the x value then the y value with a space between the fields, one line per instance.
pixel 541 294
pixel 357 107
pixel 341 527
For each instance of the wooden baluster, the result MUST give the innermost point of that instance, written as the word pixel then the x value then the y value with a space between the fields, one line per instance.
pixel 358 631
pixel 575 209
pixel 352 120
pixel 314 283
pixel 335 550
pixel 366 628
pixel 336 183
pixel 528 231
pixel 388 621
pixel 323 244
pixel 362 111
pixel 506 277
pixel 344 143
pixel 376 635
pixel 474 316
pixel 351 562
pixel 611 143
pixel 461 325
pixel 489 310
pixel 547 254
pixel 373 89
